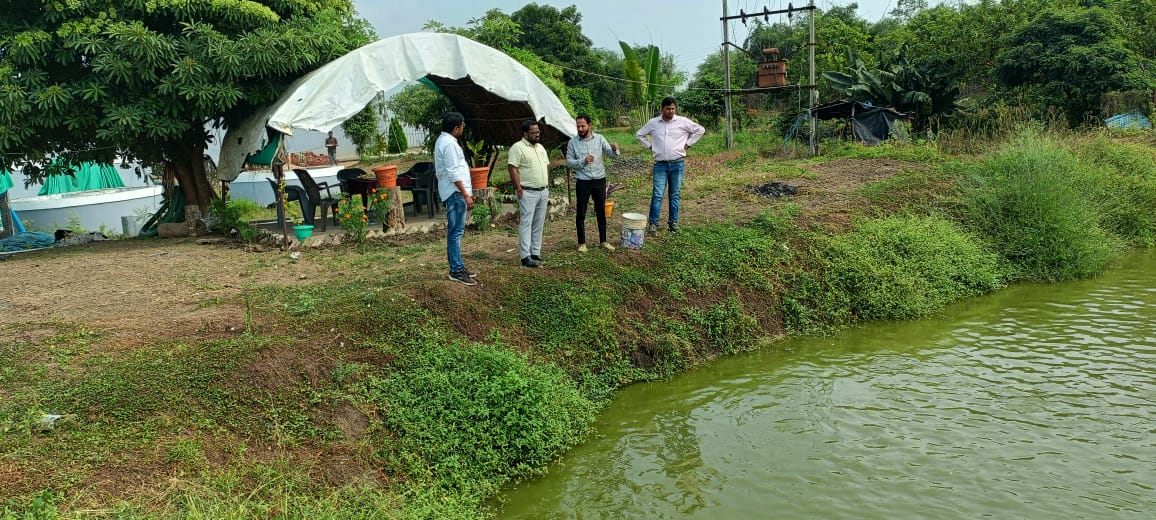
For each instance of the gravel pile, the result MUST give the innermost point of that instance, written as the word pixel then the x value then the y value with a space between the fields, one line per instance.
pixel 627 166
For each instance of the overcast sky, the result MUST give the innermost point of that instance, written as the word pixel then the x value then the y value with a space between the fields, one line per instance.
pixel 688 29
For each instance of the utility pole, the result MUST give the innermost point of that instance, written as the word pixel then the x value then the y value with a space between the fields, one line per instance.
pixel 730 140
pixel 814 96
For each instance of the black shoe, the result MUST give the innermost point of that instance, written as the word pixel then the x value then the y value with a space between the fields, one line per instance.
pixel 529 262
pixel 469 273
pixel 674 227
pixel 462 277
pixel 538 259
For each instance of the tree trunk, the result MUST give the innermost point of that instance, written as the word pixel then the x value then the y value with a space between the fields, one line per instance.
pixel 396 218
pixel 189 167
pixel 6 217
pixel 485 197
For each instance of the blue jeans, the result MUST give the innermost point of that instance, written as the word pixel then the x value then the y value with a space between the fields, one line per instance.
pixel 666 174
pixel 455 228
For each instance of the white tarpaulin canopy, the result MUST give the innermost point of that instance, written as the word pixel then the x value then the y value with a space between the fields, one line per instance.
pixel 494 92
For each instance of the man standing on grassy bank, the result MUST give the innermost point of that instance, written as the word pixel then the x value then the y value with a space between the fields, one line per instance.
pixel 584 156
pixel 528 165
pixel 669 137
pixel 453 175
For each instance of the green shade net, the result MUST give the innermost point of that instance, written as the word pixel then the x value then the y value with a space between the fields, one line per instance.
pixel 265 156
pixel 5 181
pixel 88 176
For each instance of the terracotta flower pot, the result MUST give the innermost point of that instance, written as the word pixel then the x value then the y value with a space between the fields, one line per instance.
pixel 386 176
pixel 479 177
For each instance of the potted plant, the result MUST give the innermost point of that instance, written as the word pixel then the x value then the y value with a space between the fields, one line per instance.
pixel 611 188
pixel 386 175
pixel 302 231
pixel 479 161
pixel 481 213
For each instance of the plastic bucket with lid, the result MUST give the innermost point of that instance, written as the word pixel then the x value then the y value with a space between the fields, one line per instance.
pixel 633 230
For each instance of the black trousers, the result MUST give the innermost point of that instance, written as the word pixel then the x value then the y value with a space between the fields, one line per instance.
pixel 586 188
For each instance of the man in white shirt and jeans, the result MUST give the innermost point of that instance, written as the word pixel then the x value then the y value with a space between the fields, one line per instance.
pixel 453 175
pixel 669 137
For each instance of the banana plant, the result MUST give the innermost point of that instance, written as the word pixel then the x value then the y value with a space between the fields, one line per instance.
pixel 642 76
pixel 896 83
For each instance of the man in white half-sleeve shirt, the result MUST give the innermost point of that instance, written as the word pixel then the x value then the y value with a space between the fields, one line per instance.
pixel 668 136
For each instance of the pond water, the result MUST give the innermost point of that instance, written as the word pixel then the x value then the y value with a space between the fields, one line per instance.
pixel 1035 402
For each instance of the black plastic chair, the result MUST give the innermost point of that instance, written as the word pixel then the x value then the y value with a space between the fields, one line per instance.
pixel 292 193
pixel 345 174
pixel 425 188
pixel 352 183
pixel 313 190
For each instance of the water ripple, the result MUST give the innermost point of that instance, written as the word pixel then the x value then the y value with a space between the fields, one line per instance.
pixel 1037 402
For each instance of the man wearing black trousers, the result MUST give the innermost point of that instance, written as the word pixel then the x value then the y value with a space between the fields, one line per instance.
pixel 584 156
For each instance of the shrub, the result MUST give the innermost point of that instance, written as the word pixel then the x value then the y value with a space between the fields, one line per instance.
pixel 352 218
pixel 398 142
pixel 1032 201
pixel 472 413
pixel 1123 186
pixel 726 327
pixel 715 255
pixel 905 267
pixel 234 214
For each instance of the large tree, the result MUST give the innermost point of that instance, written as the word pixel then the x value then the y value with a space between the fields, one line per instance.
pixel 91 80
pixel 1069 59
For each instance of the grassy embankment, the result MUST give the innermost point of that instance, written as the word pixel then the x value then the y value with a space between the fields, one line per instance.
pixel 424 397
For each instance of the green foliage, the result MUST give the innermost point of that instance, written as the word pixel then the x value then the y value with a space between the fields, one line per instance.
pixel 420 106
pixel 556 35
pixel 476 152
pixel 905 267
pixel 352 218
pixel 701 100
pixel 778 222
pixel 713 256
pixel 897 83
pixel 481 213
pixel 234 215
pixel 811 302
pixel 1031 200
pixel 478 415
pixel 566 317
pixel 398 142
pixel 1124 187
pixel 362 129
pixel 897 267
pixel 85 81
pixel 726 327
pixel 642 78
pixel 380 204
pixel 40 507
pixel 1070 58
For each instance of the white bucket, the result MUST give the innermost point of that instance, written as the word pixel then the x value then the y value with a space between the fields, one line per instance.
pixel 633 230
